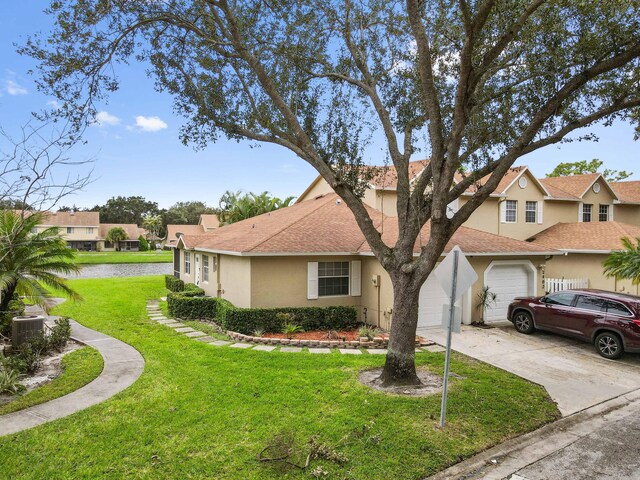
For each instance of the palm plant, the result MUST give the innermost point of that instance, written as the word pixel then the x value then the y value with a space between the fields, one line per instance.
pixel 116 235
pixel 235 206
pixel 30 262
pixel 624 264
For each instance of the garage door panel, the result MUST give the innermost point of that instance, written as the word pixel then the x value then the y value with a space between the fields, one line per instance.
pixel 507 282
pixel 430 304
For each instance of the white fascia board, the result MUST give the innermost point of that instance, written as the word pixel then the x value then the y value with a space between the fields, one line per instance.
pixel 567 250
pixel 562 199
pixel 275 254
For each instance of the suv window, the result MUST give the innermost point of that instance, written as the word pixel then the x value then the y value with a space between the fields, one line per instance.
pixel 618 309
pixel 591 303
pixel 565 299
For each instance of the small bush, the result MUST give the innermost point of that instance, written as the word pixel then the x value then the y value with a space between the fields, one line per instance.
pixel 174 284
pixel 10 382
pixel 182 305
pixel 368 332
pixel 16 309
pixel 60 334
pixel 191 290
pixel 144 245
pixel 290 329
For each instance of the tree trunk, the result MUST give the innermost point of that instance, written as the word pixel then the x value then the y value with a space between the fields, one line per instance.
pixel 400 366
pixel 7 296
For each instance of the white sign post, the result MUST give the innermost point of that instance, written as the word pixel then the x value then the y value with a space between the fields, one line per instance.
pixel 456 275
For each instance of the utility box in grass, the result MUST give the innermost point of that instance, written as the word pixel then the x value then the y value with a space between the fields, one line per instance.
pixel 25 327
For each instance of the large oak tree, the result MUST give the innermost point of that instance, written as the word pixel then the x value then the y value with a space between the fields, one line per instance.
pixel 480 83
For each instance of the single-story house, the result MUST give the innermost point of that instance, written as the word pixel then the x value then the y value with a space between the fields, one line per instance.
pixel 132 243
pixel 313 254
pixel 586 247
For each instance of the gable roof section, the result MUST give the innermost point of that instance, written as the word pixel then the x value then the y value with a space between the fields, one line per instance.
pixel 574 187
pixel 506 182
pixel 627 192
pixel 72 219
pixel 585 236
pixel 326 226
pixel 174 231
pixel 209 221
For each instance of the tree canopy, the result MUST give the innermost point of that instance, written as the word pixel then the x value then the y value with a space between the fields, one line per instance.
pixel 116 235
pixel 625 263
pixel 474 84
pixel 126 210
pixel 583 166
pixel 236 206
pixel 186 213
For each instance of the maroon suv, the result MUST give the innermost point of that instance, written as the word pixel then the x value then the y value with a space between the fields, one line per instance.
pixel 611 321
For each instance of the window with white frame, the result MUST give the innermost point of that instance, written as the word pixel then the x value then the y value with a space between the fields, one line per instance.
pixel 333 278
pixel 69 229
pixel 187 263
pixel 205 268
pixel 89 230
pixel 511 211
pixel 587 209
pixel 530 212
pixel 603 213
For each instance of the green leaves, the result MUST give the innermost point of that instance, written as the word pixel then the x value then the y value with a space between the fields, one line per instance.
pixel 625 264
pixel 235 206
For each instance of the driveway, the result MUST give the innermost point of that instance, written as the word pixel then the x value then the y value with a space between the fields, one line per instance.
pixel 575 376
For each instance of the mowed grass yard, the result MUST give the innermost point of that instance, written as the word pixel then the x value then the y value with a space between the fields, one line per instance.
pixel 90 258
pixel 200 411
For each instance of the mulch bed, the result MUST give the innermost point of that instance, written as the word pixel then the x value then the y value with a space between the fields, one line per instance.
pixel 323 335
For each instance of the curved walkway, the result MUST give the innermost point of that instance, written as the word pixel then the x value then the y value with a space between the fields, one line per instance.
pixel 123 364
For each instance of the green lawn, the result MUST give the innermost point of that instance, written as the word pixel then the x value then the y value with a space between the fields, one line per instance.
pixel 79 368
pixel 87 258
pixel 200 411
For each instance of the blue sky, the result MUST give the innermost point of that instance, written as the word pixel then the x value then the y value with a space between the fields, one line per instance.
pixel 137 150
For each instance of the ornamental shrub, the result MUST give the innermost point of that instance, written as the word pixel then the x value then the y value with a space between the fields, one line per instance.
pixel 143 244
pixel 174 284
pixel 191 307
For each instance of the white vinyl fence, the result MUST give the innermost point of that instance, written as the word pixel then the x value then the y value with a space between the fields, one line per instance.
pixel 557 284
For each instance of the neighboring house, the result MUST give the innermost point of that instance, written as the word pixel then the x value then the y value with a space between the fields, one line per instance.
pixel 586 247
pixel 207 223
pixel 132 243
pixel 314 254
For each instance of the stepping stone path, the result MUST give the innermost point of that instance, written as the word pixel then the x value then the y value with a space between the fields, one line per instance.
pixel 156 315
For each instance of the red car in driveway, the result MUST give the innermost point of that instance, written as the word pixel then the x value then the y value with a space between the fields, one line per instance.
pixel 610 321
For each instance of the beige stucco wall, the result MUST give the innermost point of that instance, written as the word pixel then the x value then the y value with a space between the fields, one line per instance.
pixel 319 187
pixel 235 279
pixel 587 265
pixel 602 197
pixel 627 214
pixel 282 282
pixel 378 313
pixel 486 217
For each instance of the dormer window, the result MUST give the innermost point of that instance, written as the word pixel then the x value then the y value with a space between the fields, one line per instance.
pixel 586 212
pixel 603 213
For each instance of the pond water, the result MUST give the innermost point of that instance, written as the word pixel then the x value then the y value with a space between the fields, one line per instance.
pixel 123 270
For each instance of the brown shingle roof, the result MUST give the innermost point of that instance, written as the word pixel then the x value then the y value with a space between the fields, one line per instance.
pixel 209 221
pixel 504 183
pixel 174 231
pixel 72 219
pixel 387 177
pixel 133 231
pixel 598 236
pixel 569 187
pixel 627 191
pixel 327 225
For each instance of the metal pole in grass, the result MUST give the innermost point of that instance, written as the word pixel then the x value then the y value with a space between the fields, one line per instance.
pixel 443 407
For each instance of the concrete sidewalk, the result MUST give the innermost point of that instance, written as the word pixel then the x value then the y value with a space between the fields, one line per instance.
pixel 538 454
pixel 123 364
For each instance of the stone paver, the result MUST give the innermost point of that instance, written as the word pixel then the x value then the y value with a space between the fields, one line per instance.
pixel 241 345
pixel 205 339
pixel 265 348
pixel 195 334
pixel 348 351
pixel 219 343
pixel 172 324
pixel 433 349
pixel 319 350
pixel 291 349
pixel 123 364
pixel 184 329
pixel 168 321
pixel 377 351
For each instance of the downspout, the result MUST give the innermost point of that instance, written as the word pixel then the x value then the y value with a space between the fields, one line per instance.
pixel 219 288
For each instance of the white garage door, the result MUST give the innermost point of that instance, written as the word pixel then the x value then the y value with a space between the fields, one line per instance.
pixel 431 300
pixel 507 282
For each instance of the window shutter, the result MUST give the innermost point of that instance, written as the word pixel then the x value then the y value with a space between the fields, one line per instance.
pixel 540 208
pixel 503 211
pixel 580 212
pixel 356 278
pixel 611 213
pixel 312 280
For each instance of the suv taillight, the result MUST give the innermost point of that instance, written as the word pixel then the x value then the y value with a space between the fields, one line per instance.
pixel 637 322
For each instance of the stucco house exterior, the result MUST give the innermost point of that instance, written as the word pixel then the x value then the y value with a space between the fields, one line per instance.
pixel 313 254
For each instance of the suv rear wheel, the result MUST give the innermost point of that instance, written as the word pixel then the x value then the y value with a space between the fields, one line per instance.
pixel 523 322
pixel 609 345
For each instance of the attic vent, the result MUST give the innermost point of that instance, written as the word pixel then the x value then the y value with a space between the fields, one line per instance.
pixel 179 234
pixel 338 202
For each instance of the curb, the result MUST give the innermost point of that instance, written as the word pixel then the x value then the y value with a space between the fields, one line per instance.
pixel 503 460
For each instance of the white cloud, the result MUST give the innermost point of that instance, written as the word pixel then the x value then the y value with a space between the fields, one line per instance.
pixel 150 124
pixel 103 119
pixel 14 88
pixel 53 104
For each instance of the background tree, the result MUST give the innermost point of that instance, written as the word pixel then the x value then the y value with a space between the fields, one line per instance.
pixel 116 235
pixel 29 262
pixel 153 225
pixel 126 210
pixel 186 213
pixel 235 206
pixel 476 83
pixel 582 167
pixel 625 263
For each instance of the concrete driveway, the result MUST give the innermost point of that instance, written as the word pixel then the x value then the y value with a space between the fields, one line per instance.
pixel 575 376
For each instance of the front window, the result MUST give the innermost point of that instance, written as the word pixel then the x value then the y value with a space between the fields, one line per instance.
pixel 531 209
pixel 603 213
pixel 89 230
pixel 511 211
pixel 69 229
pixel 333 278
pixel 187 263
pixel 586 212
pixel 563 298
pixel 205 268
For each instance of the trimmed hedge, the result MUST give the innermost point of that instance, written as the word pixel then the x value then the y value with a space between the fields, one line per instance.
pixel 182 305
pixel 174 284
